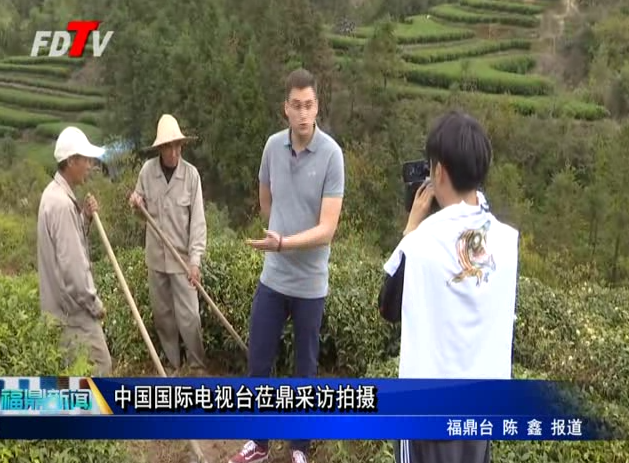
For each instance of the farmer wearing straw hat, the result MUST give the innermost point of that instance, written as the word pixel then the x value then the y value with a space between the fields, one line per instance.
pixel 170 189
pixel 66 285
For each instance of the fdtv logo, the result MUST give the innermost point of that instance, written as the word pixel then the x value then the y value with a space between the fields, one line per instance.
pixel 76 46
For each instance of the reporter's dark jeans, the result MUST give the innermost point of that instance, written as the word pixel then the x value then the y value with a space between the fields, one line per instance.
pixel 269 313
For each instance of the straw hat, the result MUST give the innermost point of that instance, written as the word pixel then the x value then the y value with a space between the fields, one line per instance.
pixel 168 131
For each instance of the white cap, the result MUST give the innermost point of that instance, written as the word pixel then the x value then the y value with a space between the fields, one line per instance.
pixel 73 141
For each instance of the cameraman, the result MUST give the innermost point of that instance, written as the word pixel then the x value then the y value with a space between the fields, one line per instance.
pixel 451 281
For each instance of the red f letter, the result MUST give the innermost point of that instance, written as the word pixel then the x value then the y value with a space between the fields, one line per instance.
pixel 82 29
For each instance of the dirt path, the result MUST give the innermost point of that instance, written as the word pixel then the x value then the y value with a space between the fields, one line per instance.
pixel 215 451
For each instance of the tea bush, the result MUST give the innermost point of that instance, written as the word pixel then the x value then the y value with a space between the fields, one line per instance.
pixel 580 335
pixel 37 69
pixel 352 335
pixel 20 119
pixel 26 99
pixel 38 83
pixel 18 240
pixel 520 452
pixel 476 48
pixel 29 347
pixel 507 7
pixel 421 29
pixel 450 12
pixel 489 75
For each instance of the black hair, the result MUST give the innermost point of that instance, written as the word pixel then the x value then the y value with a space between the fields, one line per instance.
pixel 462 146
pixel 61 166
pixel 300 79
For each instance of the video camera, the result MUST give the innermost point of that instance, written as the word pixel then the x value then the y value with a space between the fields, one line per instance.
pixel 414 174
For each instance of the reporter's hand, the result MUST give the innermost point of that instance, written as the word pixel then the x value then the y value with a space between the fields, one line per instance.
pixel 421 207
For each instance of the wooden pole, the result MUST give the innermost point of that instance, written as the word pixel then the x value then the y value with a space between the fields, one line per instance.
pixel 184 266
pixel 138 318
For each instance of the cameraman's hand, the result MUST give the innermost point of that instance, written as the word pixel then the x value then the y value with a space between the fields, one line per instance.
pixel 421 207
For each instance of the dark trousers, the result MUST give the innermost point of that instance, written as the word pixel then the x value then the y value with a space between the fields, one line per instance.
pixel 269 313
pixel 459 451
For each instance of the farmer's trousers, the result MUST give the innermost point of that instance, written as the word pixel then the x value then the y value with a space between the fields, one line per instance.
pixel 269 313
pixel 84 332
pixel 175 305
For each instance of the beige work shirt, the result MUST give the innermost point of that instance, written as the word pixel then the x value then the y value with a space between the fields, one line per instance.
pixel 177 207
pixel 66 285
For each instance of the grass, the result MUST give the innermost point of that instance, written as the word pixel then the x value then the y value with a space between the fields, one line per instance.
pixel 27 99
pixel 450 12
pixel 21 119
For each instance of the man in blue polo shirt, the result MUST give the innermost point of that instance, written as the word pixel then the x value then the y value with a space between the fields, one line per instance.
pixel 302 182
pixel 451 281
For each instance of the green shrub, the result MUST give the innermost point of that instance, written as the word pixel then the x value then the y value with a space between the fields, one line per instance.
pixel 28 99
pixel 579 335
pixel 453 13
pixel 37 69
pixel 49 60
pixel 29 347
pixel 53 129
pixel 18 240
pixel 92 118
pixel 352 336
pixel 483 75
pixel 507 7
pixel 123 336
pixel 6 131
pixel 48 84
pixel 568 335
pixel 21 187
pixel 20 119
pixel 526 106
pixel 420 29
pixel 478 48
pixel 344 42
pixel 504 451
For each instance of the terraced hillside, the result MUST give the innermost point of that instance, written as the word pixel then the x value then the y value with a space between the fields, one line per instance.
pixel 39 96
pixel 487 49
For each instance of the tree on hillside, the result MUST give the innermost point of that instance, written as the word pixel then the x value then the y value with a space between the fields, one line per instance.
pixel 610 69
pixel 382 64
pixel 382 58
pixel 611 173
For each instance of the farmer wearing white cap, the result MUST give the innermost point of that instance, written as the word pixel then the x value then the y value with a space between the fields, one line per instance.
pixel 66 285
pixel 170 189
